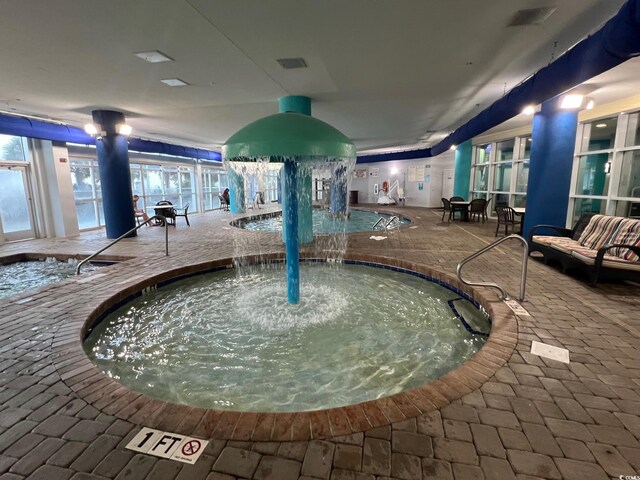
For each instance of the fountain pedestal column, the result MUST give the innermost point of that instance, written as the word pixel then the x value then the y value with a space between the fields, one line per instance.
pixel 236 192
pixel 339 190
pixel 290 221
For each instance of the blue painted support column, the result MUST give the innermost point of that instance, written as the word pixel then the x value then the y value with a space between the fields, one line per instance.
pixel 236 192
pixel 301 104
pixel 115 176
pixel 552 148
pixel 290 226
pixel 339 190
pixel 462 173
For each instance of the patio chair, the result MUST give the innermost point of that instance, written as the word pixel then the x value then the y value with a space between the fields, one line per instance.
pixel 450 209
pixel 456 199
pixel 223 203
pixel 485 215
pixel 506 217
pixel 477 208
pixel 168 213
pixel 183 212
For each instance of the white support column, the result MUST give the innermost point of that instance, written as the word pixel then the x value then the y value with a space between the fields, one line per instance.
pixel 199 188
pixel 57 203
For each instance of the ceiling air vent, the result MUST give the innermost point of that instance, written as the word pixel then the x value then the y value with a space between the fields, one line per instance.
pixel 290 63
pixel 531 16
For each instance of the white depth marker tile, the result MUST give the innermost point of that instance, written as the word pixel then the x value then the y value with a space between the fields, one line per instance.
pixel 168 445
pixel 549 351
pixel 517 308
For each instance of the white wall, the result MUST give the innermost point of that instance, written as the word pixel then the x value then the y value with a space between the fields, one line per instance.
pixel 430 178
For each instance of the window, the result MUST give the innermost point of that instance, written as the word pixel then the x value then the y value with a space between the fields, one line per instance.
pixel 632 136
pixel 504 150
pixel 501 171
pixel 592 177
pixel 13 149
pixel 629 185
pixel 599 135
pixel 502 177
pixel 480 171
pixel 214 181
pixel 86 192
pixel 153 183
pixel 606 176
pixel 522 177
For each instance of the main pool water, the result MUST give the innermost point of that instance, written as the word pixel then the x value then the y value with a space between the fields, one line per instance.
pixel 323 222
pixel 228 341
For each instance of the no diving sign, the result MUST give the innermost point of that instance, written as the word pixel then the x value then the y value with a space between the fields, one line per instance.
pixel 168 445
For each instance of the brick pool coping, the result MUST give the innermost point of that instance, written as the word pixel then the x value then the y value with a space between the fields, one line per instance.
pixel 79 373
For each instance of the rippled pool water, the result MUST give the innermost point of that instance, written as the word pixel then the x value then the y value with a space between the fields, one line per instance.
pixel 233 342
pixel 20 276
pixel 323 222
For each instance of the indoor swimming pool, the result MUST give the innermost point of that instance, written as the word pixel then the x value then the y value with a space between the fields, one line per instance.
pixel 324 222
pixel 229 340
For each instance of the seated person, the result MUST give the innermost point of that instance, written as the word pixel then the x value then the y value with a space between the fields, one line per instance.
pixel 137 211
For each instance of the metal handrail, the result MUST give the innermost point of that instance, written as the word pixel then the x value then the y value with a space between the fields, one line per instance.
pixel 162 218
pixel 385 225
pixel 376 224
pixel 395 217
pixel 523 274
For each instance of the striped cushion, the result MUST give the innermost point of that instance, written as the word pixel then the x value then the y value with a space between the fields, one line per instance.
pixel 564 244
pixel 589 257
pixel 628 233
pixel 599 231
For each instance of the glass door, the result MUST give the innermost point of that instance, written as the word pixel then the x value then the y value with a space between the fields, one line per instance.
pixel 15 204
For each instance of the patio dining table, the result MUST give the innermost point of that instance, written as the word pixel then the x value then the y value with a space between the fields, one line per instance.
pixel 520 211
pixel 160 210
pixel 463 207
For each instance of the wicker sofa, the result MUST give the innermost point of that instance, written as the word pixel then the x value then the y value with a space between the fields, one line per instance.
pixel 604 247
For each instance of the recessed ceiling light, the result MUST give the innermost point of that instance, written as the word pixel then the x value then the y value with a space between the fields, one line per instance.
pixel 529 110
pixel 174 82
pixel 601 125
pixel 154 56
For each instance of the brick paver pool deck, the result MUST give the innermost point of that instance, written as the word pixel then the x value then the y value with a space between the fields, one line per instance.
pixel 509 415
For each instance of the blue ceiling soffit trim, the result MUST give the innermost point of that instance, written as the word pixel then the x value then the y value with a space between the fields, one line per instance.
pixel 29 127
pixel 385 157
pixel 616 42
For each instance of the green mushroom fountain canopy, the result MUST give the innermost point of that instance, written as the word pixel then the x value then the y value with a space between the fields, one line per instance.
pixel 286 135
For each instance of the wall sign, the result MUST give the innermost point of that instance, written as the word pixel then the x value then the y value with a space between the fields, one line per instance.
pixel 168 445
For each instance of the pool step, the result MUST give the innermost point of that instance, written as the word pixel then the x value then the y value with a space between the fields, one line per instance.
pixel 472 319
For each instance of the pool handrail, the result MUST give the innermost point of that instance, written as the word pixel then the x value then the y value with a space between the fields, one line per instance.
pixel 523 273
pixel 124 235
pixel 377 222
pixel 386 224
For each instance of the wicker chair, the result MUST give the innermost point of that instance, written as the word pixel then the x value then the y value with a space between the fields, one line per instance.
pixel 477 208
pixel 506 217
pixel 446 208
